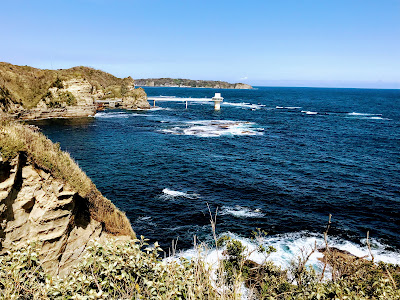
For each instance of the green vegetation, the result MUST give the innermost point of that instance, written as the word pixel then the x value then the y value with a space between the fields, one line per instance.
pixel 135 270
pixel 16 138
pixel 27 85
pixel 67 98
pixel 187 83
pixel 114 270
pixel 58 84
pixel 352 278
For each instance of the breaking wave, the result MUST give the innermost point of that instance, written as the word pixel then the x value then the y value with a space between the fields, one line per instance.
pixel 288 107
pixel 366 116
pixel 109 115
pixel 307 112
pixel 244 105
pixel 216 128
pixel 169 194
pixel 290 245
pixel 241 212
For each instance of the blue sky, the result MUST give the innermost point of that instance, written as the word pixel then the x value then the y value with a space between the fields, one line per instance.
pixel 351 43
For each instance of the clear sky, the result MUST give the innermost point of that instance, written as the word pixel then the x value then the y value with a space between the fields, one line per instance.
pixel 349 43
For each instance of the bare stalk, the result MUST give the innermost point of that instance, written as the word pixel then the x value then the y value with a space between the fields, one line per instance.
pixel 213 222
pixel 326 247
pixel 391 278
pixel 369 247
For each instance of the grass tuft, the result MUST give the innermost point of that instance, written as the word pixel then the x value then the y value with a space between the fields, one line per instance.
pixel 16 138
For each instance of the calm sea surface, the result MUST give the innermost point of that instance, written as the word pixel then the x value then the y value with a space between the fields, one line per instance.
pixel 280 159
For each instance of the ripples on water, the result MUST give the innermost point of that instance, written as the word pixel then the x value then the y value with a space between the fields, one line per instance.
pixel 281 159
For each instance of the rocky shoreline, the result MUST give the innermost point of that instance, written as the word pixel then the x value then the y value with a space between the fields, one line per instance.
pixel 28 93
pixel 46 197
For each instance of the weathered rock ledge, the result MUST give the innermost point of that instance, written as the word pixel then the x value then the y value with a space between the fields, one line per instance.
pixel 30 93
pixel 37 205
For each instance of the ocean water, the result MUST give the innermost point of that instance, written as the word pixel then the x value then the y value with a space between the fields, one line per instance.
pixel 280 159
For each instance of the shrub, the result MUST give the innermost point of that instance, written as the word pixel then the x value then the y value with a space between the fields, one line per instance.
pixel 58 84
pixel 16 138
pixel 68 98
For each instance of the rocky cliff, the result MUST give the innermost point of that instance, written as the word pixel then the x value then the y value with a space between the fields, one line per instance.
pixel 170 82
pixel 30 93
pixel 45 197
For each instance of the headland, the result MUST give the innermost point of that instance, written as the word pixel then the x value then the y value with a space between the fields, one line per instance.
pixel 28 93
pixel 189 83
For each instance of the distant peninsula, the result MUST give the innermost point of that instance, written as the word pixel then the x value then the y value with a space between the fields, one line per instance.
pixel 188 83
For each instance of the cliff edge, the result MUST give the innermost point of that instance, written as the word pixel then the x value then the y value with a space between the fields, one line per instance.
pixel 46 197
pixel 31 93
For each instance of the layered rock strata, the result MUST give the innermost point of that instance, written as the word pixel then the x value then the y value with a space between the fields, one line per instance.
pixel 30 93
pixel 35 206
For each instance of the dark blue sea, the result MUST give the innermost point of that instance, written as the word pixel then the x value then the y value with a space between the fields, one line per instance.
pixel 279 159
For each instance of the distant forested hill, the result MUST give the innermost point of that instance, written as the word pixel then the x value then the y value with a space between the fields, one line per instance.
pixel 171 82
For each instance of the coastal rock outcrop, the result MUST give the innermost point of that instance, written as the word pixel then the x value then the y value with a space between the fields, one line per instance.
pixel 39 203
pixel 242 86
pixel 30 93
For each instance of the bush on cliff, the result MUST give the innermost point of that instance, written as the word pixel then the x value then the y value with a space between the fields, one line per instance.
pixel 135 270
pixel 27 85
pixel 16 139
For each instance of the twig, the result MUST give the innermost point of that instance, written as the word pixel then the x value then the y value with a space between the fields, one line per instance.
pixel 369 247
pixel 95 279
pixel 302 263
pixel 391 278
pixel 326 232
pixel 213 223
pixel 326 247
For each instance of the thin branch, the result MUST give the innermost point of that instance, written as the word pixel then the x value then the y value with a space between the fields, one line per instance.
pixel 326 247
pixel 369 247
pixel 391 278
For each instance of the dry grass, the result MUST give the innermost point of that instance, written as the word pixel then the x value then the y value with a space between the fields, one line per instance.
pixel 28 85
pixel 16 138
pixel 135 270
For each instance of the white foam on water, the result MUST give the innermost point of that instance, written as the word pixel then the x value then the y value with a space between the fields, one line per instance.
pixel 366 116
pixel 120 115
pixel 159 108
pixel 216 128
pixel 288 107
pixel 108 115
pixel 143 219
pixel 379 118
pixel 307 112
pixel 169 194
pixel 290 245
pixel 363 114
pixel 244 105
pixel 241 212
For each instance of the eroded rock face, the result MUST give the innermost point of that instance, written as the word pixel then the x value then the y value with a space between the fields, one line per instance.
pixel 62 112
pixel 81 94
pixel 243 86
pixel 34 206
pixel 137 101
pixel 84 97
pixel 81 89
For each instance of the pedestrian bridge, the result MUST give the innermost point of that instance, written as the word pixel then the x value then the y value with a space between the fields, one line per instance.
pixel 217 99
